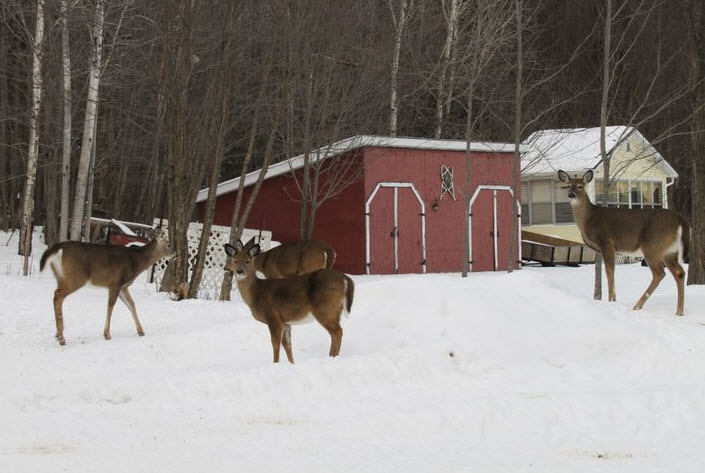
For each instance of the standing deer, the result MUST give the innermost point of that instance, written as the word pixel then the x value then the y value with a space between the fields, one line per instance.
pixel 75 264
pixel 293 259
pixel 661 236
pixel 322 295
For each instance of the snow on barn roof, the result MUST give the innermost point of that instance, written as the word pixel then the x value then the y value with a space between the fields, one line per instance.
pixel 578 149
pixel 357 142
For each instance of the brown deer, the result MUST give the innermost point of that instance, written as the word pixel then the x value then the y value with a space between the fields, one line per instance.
pixel 75 264
pixel 293 259
pixel 322 295
pixel 661 236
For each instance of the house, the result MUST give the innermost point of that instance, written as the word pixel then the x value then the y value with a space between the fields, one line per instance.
pixel 640 176
pixel 402 209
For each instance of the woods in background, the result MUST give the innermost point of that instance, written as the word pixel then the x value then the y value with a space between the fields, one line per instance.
pixel 144 103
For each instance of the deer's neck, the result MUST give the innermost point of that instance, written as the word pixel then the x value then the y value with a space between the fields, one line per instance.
pixel 582 210
pixel 260 260
pixel 248 289
pixel 147 255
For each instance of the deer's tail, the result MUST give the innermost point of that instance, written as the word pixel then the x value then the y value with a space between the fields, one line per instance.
pixel 685 241
pixel 349 293
pixel 52 253
pixel 330 257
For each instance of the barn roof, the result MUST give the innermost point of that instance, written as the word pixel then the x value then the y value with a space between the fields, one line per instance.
pixel 578 149
pixel 357 142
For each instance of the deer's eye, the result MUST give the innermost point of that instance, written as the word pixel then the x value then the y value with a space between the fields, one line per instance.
pixel 580 187
pixel 247 262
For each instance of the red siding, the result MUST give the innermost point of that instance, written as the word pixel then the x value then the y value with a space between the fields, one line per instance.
pixel 444 227
pixel 339 220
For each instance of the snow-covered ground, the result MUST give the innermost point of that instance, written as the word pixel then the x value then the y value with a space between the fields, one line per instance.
pixel 493 373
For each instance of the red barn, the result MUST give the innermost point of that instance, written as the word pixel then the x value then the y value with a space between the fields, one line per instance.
pixel 402 208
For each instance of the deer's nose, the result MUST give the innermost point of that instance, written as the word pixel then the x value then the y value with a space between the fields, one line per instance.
pixel 571 195
pixel 240 271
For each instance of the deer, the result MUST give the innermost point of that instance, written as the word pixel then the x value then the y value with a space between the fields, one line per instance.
pixel 661 236
pixel 76 264
pixel 293 259
pixel 322 295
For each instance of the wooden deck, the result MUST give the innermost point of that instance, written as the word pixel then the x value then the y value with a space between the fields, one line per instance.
pixel 549 250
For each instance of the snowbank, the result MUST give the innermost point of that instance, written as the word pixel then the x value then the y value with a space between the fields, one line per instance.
pixel 493 373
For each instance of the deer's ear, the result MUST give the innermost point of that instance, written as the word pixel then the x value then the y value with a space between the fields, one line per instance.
pixel 563 176
pixel 587 177
pixel 230 250
pixel 250 243
pixel 150 234
pixel 254 251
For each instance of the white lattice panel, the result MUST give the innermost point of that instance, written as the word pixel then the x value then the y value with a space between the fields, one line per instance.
pixel 215 255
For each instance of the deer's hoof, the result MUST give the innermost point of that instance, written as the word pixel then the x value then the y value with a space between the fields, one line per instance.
pixel 60 338
pixel 106 335
pixel 140 333
pixel 637 307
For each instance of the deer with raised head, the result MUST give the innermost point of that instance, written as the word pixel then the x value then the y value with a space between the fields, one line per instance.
pixel 76 264
pixel 322 295
pixel 293 259
pixel 661 236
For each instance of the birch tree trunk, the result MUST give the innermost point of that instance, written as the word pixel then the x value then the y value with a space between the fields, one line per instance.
pixel 398 33
pixel 606 53
pixel 31 176
pixel 66 135
pixel 89 125
pixel 516 160
pixel 451 25
pixel 5 196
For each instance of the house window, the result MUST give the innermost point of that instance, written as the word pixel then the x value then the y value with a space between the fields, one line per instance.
pixel 631 194
pixel 545 202
pixel 541 202
pixel 563 210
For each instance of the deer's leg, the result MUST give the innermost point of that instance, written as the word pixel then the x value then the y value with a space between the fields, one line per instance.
pixel 608 257
pixel 112 297
pixel 657 273
pixel 336 337
pixel 126 298
pixel 679 275
pixel 59 296
pixel 286 342
pixel 62 291
pixel 276 330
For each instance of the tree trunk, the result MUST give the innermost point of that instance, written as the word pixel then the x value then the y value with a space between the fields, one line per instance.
pixel 5 175
pixel 89 125
pixel 451 25
pixel 695 13
pixel 66 135
pixel 31 176
pixel 516 164
pixel 606 53
pixel 235 236
pixel 398 34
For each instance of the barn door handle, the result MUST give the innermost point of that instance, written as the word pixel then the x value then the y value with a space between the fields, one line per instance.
pixel 394 233
pixel 492 233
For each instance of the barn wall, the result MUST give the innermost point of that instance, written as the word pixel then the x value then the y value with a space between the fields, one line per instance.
pixel 444 227
pixel 339 220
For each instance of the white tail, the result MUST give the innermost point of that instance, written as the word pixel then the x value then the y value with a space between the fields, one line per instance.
pixel 322 294
pixel 661 236
pixel 75 264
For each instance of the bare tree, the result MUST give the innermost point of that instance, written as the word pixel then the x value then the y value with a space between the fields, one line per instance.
pixel 695 21
pixel 66 135
pixel 488 27
pixel 33 154
pixel 400 16
pixel 452 16
pixel 90 123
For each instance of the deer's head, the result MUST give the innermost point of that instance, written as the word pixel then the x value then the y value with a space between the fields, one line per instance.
pixel 161 245
pixel 242 259
pixel 576 186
